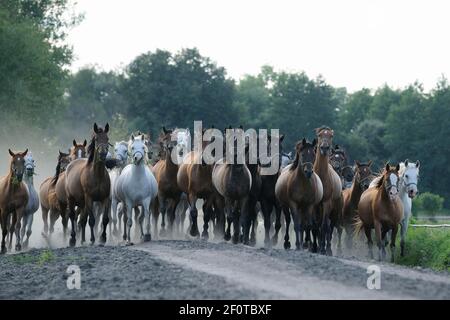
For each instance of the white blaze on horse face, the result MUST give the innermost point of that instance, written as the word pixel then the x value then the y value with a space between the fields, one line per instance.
pixel 393 179
pixel 79 153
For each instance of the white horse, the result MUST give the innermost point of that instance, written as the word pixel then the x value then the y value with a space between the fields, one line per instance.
pixel 137 186
pixel 121 155
pixel 33 200
pixel 409 179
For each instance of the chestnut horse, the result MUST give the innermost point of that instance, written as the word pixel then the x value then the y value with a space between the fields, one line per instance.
pixel 361 181
pixel 48 198
pixel 13 198
pixel 381 208
pixel 299 189
pixel 165 171
pixel 330 208
pixel 87 181
pixel 194 178
pixel 78 150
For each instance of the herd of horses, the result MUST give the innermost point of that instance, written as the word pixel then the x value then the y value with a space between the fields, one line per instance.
pixel 317 188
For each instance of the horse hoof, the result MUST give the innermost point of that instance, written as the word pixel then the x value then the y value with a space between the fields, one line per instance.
pixel 162 232
pixel 205 235
pixel 235 239
pixel 287 245
pixel 18 247
pixel 252 242
pixel 194 232
pixel 129 243
pixel 274 241
pixel 147 237
pixel 227 237
pixel 3 251
pixel 329 252
pixel 72 242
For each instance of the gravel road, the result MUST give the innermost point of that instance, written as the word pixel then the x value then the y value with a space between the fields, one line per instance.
pixel 184 269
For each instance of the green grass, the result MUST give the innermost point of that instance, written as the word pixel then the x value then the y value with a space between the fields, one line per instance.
pixel 428 248
pixel 44 257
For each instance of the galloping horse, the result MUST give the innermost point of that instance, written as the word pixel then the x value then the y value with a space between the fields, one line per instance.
pixel 87 181
pixel 409 178
pixel 121 156
pixel 380 208
pixel 299 189
pixel 233 181
pixel 136 186
pixel 339 162
pixel 49 199
pixel 330 208
pixel 33 199
pixel 78 150
pixel 351 197
pixel 13 198
pixel 194 178
pixel 166 171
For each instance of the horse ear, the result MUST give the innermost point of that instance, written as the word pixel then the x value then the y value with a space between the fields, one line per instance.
pixel 332 132
pixel 387 166
pixel 84 143
pixel 164 129
pixel 60 153
pixel 74 143
pixel 95 127
pixel 142 138
pixel 281 138
pixel 397 168
pixel 314 142
pixel 303 141
pixel 11 153
pixel 132 137
pixel 107 127
pixel 25 153
pixel 406 162
pixel 417 164
pixel 357 163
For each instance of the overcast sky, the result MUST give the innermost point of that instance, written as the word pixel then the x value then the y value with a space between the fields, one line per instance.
pixel 352 43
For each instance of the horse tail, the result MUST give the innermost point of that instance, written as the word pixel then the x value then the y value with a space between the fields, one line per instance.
pixel 358 226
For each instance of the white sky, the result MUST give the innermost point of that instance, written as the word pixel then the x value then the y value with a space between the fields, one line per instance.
pixel 352 43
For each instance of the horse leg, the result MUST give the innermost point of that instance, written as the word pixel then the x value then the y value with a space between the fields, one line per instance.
pixel 129 215
pixel 379 239
pixel 139 220
pixel 266 211
pixel 106 206
pixel 393 238
pixel 163 209
pixel 54 215
pixel 229 218
pixel 207 213
pixel 238 205
pixel 193 213
pixel 146 212
pixel 219 208
pixel 155 215
pixel 125 219
pixel 12 228
pixel 248 209
pixel 22 231
pixel 18 225
pixel 29 224
pixel 298 234
pixel 114 215
pixel 72 216
pixel 44 212
pixel 4 222
pixel 349 231
pixel 89 214
pixel 120 215
pixel 64 219
pixel 277 223
pixel 171 214
pixel 287 218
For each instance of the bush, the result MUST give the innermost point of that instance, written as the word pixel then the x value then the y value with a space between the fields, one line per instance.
pixel 429 203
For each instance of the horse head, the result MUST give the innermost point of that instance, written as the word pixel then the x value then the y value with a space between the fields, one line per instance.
pixel 325 139
pixel 99 143
pixel 409 175
pixel 390 180
pixel 305 156
pixel 138 149
pixel 78 150
pixel 29 164
pixel 338 159
pixel 17 166
pixel 363 174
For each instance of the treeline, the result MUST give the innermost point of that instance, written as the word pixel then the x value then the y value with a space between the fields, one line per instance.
pixel 174 89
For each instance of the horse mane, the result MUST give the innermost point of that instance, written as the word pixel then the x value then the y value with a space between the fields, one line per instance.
pixel 91 149
pixel 58 169
pixel 321 128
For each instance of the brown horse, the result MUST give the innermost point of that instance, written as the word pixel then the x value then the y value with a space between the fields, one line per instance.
pixel 380 208
pixel 330 208
pixel 165 171
pixel 78 150
pixel 299 190
pixel 87 181
pixel 48 198
pixel 361 181
pixel 233 181
pixel 13 198
pixel 195 179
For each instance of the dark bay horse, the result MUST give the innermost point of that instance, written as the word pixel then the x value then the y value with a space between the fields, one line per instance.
pixel 381 208
pixel 339 162
pixel 87 181
pixel 361 182
pixel 13 198
pixel 299 190
pixel 330 208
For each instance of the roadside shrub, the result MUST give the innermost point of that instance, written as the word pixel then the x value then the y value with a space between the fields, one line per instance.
pixel 428 203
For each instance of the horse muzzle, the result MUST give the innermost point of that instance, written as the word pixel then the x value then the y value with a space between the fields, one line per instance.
pixel 324 149
pixel 30 171
pixel 412 193
pixel 393 193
